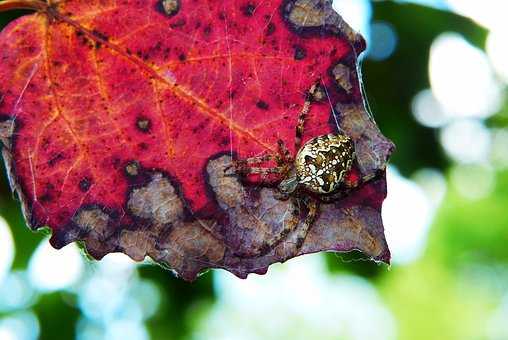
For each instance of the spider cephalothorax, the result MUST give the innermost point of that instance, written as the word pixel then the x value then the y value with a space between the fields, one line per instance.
pixel 316 174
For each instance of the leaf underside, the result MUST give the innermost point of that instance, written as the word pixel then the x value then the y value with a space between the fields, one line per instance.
pixel 119 121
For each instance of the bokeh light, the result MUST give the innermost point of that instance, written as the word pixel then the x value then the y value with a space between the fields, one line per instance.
pixel 499 156
pixel 6 249
pixel 20 326
pixel 497 327
pixel 433 183
pixel 383 41
pixel 427 110
pixel 16 292
pixel 473 182
pixel 357 14
pixel 462 79
pixel 497 50
pixel 466 141
pixel 489 13
pixel 334 307
pixel 407 216
pixel 52 269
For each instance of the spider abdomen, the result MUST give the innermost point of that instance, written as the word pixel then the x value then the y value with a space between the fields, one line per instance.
pixel 322 162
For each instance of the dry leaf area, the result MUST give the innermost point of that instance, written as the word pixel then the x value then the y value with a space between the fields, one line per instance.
pixel 122 125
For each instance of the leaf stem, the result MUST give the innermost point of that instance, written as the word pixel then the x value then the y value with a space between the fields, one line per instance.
pixel 36 5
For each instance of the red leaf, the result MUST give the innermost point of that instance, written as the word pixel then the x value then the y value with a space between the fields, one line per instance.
pixel 120 121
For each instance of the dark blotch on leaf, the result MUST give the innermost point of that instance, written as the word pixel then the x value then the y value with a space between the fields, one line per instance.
pixel 100 35
pixel 182 57
pixel 85 184
pixel 168 7
pixel 178 23
pixel 300 53
pixel 207 30
pixel 248 9
pixel 262 105
pixel 55 159
pixel 46 198
pixel 270 29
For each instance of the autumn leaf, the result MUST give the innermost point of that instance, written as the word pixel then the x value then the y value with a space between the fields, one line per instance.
pixel 119 122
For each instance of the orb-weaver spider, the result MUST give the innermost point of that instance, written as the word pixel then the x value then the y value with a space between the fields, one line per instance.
pixel 314 175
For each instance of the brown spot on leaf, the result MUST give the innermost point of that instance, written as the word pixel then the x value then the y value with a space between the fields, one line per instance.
pixel 169 7
pixel 93 225
pixel 92 219
pixel 319 94
pixel 136 243
pixel 132 169
pixel 305 15
pixel 6 132
pixel 189 249
pixel 223 181
pixel 156 201
pixel 342 76
pixel 143 124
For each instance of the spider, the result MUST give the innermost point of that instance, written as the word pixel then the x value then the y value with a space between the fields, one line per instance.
pixel 314 175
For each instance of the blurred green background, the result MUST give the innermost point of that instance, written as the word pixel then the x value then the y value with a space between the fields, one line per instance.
pixel 435 76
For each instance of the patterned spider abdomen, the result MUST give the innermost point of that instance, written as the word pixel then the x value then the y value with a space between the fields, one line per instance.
pixel 322 162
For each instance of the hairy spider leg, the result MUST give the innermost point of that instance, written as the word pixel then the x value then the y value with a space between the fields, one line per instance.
pixel 242 163
pixel 301 233
pixel 300 127
pixel 284 151
pixel 264 171
pixel 284 161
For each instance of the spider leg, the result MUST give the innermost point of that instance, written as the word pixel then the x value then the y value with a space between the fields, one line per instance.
pixel 335 197
pixel 368 178
pixel 242 166
pixel 253 160
pixel 302 232
pixel 284 152
pixel 300 127
pixel 263 171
